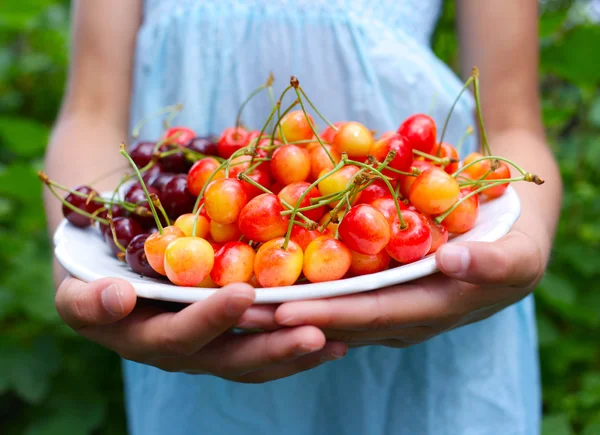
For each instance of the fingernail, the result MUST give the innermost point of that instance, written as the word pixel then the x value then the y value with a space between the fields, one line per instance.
pixel 455 259
pixel 112 299
pixel 237 304
pixel 305 349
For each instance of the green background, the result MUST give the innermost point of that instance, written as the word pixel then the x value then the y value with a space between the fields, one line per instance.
pixel 53 382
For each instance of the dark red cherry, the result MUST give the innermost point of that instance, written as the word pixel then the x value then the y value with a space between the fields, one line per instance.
pixel 85 204
pixel 141 153
pixel 161 181
pixel 117 211
pixel 136 257
pixel 176 198
pixel 174 162
pixel 152 174
pixel 206 145
pixel 125 229
pixel 136 195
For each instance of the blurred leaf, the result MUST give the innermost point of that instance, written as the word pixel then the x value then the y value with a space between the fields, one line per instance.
pixel 547 333
pixel 557 291
pixel 592 429
pixel 594 113
pixel 24 137
pixel 20 181
pixel 556 424
pixel 571 56
pixel 21 13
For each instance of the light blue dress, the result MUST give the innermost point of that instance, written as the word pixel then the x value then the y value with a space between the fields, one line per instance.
pixel 364 60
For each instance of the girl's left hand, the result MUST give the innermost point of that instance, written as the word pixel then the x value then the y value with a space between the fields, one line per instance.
pixel 478 280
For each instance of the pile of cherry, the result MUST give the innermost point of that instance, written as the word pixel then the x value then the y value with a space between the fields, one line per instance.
pixel 288 204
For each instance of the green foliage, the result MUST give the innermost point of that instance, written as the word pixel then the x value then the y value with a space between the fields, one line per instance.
pixel 54 382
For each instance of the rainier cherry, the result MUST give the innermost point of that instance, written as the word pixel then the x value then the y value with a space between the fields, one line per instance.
pixel 419 132
pixel 292 193
pixel 231 140
pixel 364 229
pixel 406 181
pixel 337 182
pixel 363 264
pixel 200 172
pixel 377 189
pixel 434 191
pixel 463 217
pixel 329 133
pixel 404 155
pixel 275 266
pixel 326 259
pixel 387 207
pixel 260 220
pixel 446 151
pixel 502 172
pixel 188 260
pixel 179 135
pixel 411 243
pixel 223 233
pixel 85 204
pixel 224 200
pixel 303 237
pixel 258 175
pixel 353 139
pixel 295 126
pixel 234 262
pixel 319 160
pixel 185 223
pixel 439 235
pixel 479 169
pixel 157 243
pixel 290 164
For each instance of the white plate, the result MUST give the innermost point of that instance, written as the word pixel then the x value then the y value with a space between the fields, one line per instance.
pixel 83 253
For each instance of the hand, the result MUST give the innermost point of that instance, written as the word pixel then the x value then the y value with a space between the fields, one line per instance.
pixel 480 280
pixel 195 339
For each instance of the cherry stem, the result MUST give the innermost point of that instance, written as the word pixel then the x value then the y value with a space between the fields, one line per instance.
pixel 76 209
pixel 510 162
pixel 141 180
pixel 267 84
pixel 476 93
pixel 443 216
pixel 435 159
pixel 301 198
pixel 111 224
pixel 484 181
pixel 280 115
pixel 317 110
pixel 462 140
pixel 387 183
pixel 262 131
pixel 169 109
pixel 312 127
pixel 447 121
pixel 126 205
pixel 158 205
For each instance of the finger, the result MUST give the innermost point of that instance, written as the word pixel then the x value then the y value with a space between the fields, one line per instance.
pixel 259 317
pixel 100 302
pixel 235 356
pixel 150 333
pixel 331 352
pixel 515 260
pixel 412 335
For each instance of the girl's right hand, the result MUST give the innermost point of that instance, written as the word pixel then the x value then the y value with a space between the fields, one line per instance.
pixel 194 340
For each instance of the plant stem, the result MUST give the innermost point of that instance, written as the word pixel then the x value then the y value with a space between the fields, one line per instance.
pixel 462 140
pixel 136 129
pixel 317 110
pixel 76 209
pixel 443 216
pixel 465 87
pixel 510 162
pixel 312 127
pixel 476 92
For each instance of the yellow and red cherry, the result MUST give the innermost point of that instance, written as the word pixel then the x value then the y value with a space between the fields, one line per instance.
pixel 419 132
pixel 387 207
pixel 363 264
pixel 179 135
pixel 329 133
pixel 337 182
pixel 185 223
pixel 464 216
pixel 224 199
pixel 275 266
pixel 501 173
pixel 353 139
pixel 303 236
pixel 365 229
pixel 292 193
pixel 188 261
pixel 200 172
pixel 404 155
pixel 231 140
pixel 261 220
pixel 234 262
pixel 411 243
pixel 258 175
pixel 406 181
pixel 434 191
pixel 477 170
pixel 326 259
pixel 319 160
pixel 377 189
pixel 439 235
pixel 445 150
pixel 157 243
pixel 290 164
pixel 223 233
pixel 295 126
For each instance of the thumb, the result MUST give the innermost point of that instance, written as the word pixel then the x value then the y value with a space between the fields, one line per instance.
pixel 514 260
pixel 104 301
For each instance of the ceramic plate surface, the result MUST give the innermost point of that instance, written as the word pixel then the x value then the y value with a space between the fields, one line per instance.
pixel 83 253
